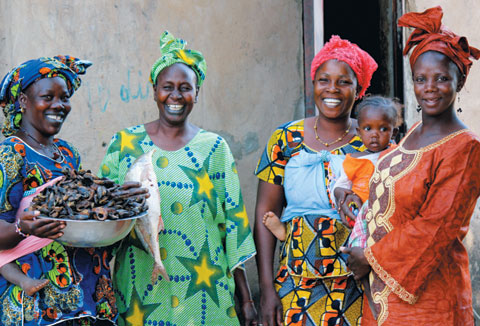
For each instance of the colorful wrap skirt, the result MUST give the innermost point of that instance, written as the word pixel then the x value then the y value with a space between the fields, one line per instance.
pixel 313 282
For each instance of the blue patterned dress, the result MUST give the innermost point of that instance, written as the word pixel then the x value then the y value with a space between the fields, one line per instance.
pixel 80 285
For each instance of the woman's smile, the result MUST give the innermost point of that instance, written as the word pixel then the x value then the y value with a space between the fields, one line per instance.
pixel 55 117
pixel 175 108
pixel 332 102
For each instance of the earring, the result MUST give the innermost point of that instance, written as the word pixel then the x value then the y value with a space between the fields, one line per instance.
pixel 22 109
pixel 459 108
pixel 419 108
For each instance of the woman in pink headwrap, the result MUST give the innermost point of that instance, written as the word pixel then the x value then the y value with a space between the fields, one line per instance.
pixel 423 194
pixel 300 162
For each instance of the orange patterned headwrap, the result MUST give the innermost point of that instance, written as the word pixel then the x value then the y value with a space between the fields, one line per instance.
pixel 362 64
pixel 431 35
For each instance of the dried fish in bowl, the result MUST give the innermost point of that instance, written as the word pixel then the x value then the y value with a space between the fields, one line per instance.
pixel 80 195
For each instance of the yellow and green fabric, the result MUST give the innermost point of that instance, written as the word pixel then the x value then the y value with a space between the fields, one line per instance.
pixel 173 51
pixel 206 236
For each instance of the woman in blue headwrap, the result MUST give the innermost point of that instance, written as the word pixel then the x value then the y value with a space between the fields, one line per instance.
pixel 207 237
pixel 76 286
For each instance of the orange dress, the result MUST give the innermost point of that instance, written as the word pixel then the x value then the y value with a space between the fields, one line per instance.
pixel 359 170
pixel 419 212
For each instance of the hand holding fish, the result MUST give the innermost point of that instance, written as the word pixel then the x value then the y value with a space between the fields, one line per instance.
pixel 131 189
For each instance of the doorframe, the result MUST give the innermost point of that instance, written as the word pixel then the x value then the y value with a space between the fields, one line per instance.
pixel 309 52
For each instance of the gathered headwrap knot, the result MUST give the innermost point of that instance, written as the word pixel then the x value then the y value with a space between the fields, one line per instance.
pixel 173 51
pixel 431 35
pixel 362 64
pixel 27 73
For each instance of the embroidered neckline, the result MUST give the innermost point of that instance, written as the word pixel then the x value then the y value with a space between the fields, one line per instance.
pixel 430 146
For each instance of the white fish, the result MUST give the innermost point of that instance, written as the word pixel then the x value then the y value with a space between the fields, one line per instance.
pixel 149 226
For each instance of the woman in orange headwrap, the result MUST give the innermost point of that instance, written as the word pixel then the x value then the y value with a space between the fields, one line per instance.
pixel 423 194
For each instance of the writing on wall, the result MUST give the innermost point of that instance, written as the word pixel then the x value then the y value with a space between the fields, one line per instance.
pixel 100 95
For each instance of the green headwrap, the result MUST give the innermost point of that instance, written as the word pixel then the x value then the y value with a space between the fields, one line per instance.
pixel 173 51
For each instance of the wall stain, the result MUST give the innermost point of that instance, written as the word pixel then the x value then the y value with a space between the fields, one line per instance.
pixel 239 148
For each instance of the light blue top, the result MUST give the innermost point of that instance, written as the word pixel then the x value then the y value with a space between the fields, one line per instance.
pixel 307 169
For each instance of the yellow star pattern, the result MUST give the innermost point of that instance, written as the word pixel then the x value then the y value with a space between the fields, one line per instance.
pixel 242 216
pixel 126 141
pixel 204 273
pixel 136 316
pixel 138 311
pixel 205 185
pixel 238 216
pixel 203 188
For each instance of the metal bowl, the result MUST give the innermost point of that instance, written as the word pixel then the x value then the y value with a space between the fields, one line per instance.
pixel 93 233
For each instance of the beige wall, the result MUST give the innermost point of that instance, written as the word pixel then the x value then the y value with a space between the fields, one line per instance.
pixel 253 50
pixel 462 17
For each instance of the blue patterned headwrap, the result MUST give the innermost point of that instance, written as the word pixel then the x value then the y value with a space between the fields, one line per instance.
pixel 173 51
pixel 24 75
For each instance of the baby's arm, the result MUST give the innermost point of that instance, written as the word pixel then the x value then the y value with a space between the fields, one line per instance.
pixel 341 189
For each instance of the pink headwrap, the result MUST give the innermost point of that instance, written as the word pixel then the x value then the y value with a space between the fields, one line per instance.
pixel 362 64
pixel 431 35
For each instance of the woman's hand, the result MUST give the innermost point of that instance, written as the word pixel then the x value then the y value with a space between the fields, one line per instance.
pixel 249 313
pixel 242 291
pixel 272 309
pixel 131 189
pixel 43 228
pixel 357 262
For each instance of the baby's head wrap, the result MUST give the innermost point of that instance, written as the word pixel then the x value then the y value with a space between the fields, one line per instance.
pixel 431 35
pixel 24 75
pixel 362 64
pixel 173 51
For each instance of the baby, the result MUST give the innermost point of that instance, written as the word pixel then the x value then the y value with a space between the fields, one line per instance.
pixel 12 271
pixel 378 119
pixel 13 274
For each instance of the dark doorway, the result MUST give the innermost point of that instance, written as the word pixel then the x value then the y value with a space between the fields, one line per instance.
pixel 371 25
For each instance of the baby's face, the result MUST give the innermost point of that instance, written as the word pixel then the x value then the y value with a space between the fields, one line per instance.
pixel 376 128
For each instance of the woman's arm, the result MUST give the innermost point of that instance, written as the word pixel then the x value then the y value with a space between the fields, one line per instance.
pixel 270 197
pixel 242 290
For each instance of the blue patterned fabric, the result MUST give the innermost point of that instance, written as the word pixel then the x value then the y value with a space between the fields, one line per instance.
pixel 25 74
pixel 80 285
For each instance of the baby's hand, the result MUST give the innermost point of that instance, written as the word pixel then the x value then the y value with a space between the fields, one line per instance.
pixel 342 200
pixel 351 200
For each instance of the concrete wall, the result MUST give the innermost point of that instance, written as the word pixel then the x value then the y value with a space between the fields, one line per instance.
pixel 462 18
pixel 253 51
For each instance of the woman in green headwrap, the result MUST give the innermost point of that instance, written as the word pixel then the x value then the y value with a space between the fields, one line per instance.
pixel 207 237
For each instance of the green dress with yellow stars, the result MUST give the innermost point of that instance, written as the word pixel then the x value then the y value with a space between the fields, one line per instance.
pixel 206 236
